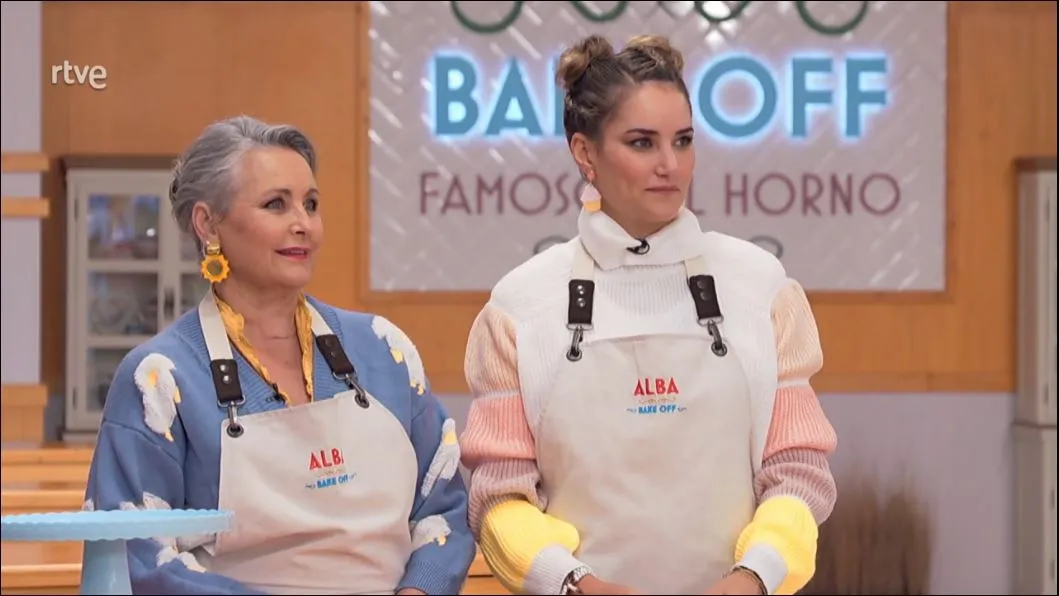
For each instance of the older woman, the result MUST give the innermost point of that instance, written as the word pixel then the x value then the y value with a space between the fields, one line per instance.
pixel 314 425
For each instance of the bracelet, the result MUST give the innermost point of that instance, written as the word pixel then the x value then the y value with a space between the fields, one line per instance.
pixel 570 583
pixel 753 575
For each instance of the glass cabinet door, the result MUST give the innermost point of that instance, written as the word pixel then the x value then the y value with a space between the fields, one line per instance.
pixel 123 227
pixel 192 288
pixel 122 279
pixel 1053 277
pixel 189 250
pixel 192 285
pixel 123 235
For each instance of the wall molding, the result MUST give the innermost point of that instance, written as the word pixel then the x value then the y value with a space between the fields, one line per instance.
pixel 23 395
pixel 46 578
pixel 23 413
pixel 25 207
pixel 23 162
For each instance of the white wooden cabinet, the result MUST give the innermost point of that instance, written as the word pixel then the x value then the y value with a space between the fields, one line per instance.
pixel 130 272
pixel 1035 455
pixel 1035 556
pixel 1037 296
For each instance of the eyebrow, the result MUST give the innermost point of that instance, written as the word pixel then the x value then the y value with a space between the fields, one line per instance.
pixel 287 192
pixel 649 132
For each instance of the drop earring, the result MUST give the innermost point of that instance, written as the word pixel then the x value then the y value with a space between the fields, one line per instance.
pixel 214 266
pixel 591 201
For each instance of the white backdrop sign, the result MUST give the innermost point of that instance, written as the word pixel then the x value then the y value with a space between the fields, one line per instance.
pixel 820 134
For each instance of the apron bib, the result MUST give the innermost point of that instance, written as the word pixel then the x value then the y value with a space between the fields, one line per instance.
pixel 644 446
pixel 318 508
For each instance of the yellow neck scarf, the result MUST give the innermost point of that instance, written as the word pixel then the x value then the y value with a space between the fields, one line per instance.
pixel 235 325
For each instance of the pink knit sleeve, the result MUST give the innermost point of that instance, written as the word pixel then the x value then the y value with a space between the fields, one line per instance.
pixel 800 437
pixel 497 444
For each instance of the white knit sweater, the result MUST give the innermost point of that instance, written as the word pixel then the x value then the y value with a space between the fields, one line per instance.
pixel 646 295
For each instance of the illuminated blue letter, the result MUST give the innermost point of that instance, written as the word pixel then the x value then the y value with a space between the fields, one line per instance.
pixel 455 110
pixel 513 109
pixel 802 96
pixel 761 115
pixel 858 97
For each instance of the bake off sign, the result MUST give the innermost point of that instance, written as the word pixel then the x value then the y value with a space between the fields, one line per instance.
pixel 820 135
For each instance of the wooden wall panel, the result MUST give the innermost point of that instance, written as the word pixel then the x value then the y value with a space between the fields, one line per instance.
pixel 24 207
pixel 174 67
pixel 22 407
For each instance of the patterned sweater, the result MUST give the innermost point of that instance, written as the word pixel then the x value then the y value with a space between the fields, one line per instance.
pixel 792 481
pixel 147 460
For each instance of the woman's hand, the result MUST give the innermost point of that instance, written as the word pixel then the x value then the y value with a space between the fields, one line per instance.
pixel 592 585
pixel 741 581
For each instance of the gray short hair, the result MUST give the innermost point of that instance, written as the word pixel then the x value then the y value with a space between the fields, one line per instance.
pixel 208 170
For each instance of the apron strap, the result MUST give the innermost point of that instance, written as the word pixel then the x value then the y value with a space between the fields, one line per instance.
pixel 703 291
pixel 330 347
pixel 335 355
pixel 222 363
pixel 224 368
pixel 582 288
pixel 707 305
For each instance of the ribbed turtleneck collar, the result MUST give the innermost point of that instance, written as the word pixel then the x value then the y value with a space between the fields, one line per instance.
pixel 608 243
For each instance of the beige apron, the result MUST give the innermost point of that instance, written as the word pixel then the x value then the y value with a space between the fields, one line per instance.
pixel 321 493
pixel 645 445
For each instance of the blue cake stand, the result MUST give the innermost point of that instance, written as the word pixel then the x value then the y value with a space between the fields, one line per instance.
pixel 105 564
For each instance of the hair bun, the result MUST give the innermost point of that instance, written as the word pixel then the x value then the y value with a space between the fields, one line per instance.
pixel 659 49
pixel 575 60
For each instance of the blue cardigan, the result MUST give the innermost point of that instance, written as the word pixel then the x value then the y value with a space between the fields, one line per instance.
pixel 131 460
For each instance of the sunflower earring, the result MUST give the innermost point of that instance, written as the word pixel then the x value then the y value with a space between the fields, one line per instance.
pixel 214 266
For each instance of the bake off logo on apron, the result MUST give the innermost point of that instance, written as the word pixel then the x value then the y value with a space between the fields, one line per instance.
pixel 657 395
pixel 328 466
